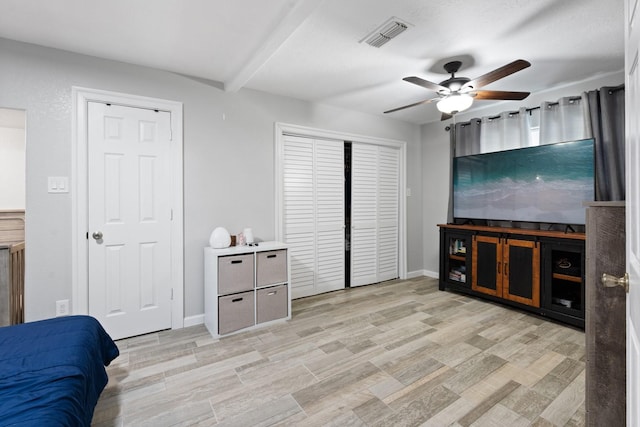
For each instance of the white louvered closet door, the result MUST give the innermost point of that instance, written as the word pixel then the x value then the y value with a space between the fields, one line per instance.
pixel 374 213
pixel 313 214
pixel 388 212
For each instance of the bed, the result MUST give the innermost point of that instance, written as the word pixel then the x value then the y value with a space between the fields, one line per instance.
pixel 53 371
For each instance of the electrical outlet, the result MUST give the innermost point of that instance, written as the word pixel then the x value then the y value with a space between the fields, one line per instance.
pixel 62 307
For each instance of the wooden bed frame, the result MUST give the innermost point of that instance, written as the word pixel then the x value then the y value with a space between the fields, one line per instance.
pixel 11 267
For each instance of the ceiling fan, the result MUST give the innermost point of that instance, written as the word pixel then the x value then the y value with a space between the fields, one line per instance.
pixel 456 94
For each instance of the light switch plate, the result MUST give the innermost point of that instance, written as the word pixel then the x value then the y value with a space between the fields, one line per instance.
pixel 58 184
pixel 62 307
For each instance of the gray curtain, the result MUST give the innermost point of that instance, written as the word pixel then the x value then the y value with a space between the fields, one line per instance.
pixel 452 150
pixel 464 140
pixel 606 110
pixel 467 138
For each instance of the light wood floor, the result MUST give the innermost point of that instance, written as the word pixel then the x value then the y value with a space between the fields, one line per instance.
pixel 400 353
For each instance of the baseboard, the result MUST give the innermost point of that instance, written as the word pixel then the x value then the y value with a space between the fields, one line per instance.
pixel 194 320
pixel 430 273
pixel 414 274
pixel 420 273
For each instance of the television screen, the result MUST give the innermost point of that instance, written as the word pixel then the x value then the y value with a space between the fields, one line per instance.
pixel 545 183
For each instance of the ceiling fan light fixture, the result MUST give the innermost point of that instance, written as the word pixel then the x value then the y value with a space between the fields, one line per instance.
pixel 455 103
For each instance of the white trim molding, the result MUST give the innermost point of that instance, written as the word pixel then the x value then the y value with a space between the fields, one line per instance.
pixel 423 273
pixel 79 197
pixel 196 320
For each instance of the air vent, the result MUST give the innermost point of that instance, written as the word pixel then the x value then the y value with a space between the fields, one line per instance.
pixel 385 32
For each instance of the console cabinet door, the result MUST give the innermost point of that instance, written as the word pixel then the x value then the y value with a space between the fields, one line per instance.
pixel 507 268
pixel 487 265
pixel 521 270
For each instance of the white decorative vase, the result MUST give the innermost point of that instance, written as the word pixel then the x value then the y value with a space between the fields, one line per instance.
pixel 220 238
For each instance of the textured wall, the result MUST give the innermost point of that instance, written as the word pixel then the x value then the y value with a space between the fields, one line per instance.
pixel 228 158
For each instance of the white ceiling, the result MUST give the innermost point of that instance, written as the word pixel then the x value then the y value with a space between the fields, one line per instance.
pixel 311 50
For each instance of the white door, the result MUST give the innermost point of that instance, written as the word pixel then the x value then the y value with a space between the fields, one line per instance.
pixel 375 178
pixel 364 214
pixel 388 212
pixel 313 214
pixel 129 218
pixel 632 146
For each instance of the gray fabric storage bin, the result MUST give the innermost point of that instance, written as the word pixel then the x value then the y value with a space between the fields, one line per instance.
pixel 235 312
pixel 272 267
pixel 235 273
pixel 272 303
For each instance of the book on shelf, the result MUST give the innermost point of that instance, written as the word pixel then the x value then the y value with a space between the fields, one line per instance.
pixel 459 275
pixel 458 247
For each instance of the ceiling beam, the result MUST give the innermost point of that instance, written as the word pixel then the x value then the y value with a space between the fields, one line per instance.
pixel 298 12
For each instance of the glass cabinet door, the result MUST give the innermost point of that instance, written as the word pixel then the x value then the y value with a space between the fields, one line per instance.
pixel 458 259
pixel 565 275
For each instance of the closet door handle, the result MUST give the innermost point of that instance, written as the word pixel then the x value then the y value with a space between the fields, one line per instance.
pixel 499 265
pixel 236 261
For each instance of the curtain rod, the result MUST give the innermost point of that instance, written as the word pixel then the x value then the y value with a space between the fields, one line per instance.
pixel 615 89
pixel 530 109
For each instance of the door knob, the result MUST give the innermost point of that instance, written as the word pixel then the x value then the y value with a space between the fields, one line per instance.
pixel 97 235
pixel 610 281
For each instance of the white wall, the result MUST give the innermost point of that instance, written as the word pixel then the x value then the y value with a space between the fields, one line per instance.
pixel 12 168
pixel 228 158
pixel 435 197
pixel 435 154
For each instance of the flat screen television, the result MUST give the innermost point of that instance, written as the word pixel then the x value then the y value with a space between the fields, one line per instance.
pixel 543 184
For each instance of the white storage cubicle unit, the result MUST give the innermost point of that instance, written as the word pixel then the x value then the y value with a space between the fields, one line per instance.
pixel 246 287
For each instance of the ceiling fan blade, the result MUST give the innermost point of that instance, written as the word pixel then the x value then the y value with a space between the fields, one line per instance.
pixel 445 116
pixel 497 74
pixel 499 94
pixel 409 106
pixel 426 84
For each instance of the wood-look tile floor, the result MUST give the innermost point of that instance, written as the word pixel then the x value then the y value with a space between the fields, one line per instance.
pixel 400 353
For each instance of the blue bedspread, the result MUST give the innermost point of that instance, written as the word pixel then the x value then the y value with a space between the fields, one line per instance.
pixel 52 371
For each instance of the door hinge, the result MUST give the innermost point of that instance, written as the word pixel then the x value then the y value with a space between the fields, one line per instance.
pixel 170 135
pixel 171 215
pixel 171 294
pixel 87 235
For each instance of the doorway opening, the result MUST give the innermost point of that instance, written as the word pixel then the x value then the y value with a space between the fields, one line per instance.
pixel 12 214
pixel 347 214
